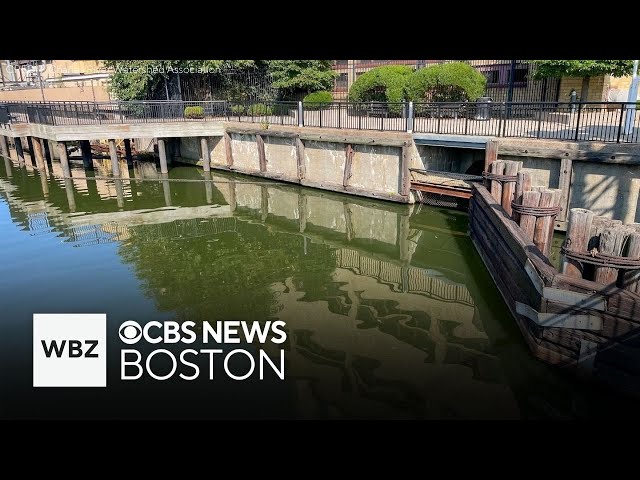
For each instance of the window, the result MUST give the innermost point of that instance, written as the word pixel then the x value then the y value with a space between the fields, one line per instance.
pixel 493 76
pixel 342 81
pixel 520 75
pixel 341 63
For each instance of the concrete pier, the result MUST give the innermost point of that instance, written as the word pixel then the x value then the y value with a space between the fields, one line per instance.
pixel 4 146
pixel 38 153
pixel 64 159
pixel 166 187
pixel 208 187
pixel 19 151
pixel 162 151
pixel 7 166
pixel 68 187
pixel 119 192
pixel 113 153
pixel 206 160
pixel 87 160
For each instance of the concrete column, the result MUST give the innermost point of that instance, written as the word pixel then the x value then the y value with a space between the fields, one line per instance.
pixel 4 146
pixel 52 149
pixel 38 153
pixel 113 153
pixel 162 151
pixel 64 159
pixel 208 187
pixel 47 152
pixel 127 152
pixel 206 159
pixel 119 192
pixel 32 159
pixel 19 151
pixel 68 186
pixel 166 187
pixel 43 182
pixel 7 167
pixel 85 147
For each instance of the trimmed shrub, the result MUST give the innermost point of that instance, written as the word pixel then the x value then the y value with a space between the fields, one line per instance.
pixel 446 82
pixel 237 109
pixel 194 112
pixel 381 84
pixel 317 100
pixel 258 109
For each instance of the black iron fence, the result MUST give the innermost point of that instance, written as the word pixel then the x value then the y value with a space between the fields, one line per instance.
pixel 578 121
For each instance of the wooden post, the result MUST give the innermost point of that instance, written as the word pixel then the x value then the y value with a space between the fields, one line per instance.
pixel 405 174
pixel 7 167
pixel 497 168
pixel 541 231
pixel 113 153
pixel 612 242
pixel 302 212
pixel 598 226
pixel 206 158
pixel 578 230
pixel 127 152
pixel 528 222
pixel 523 184
pixel 19 151
pixel 300 159
pixel 631 278
pixel 32 158
pixel 71 199
pixel 348 152
pixel 166 188
pixel 555 201
pixel 490 154
pixel 4 146
pixel 227 149
pixel 162 152
pixel 64 159
pixel 45 148
pixel 38 153
pixel 117 182
pixel 262 158
pixel 508 189
pixel 208 187
pixel 566 170
pixel 85 147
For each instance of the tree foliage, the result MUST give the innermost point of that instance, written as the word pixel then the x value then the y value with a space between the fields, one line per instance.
pixel 446 82
pixel 381 84
pixel 582 68
pixel 292 77
pixel 317 100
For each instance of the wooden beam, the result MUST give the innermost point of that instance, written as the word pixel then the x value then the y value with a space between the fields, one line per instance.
pixel 570 319
pixel 442 190
pixel 566 171
pixel 251 130
pixel 348 153
pixel 227 149
pixel 601 156
pixel 356 139
pixel 262 158
pixel 38 153
pixel 300 159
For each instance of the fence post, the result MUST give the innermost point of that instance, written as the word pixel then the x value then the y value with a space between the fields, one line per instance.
pixel 622 108
pixel 300 114
pixel 502 121
pixel 320 115
pixel 578 122
pixel 539 121
pixel 439 117
pixel 410 118
pixel 339 114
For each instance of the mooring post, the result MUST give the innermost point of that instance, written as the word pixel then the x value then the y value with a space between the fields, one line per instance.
pixel 162 151
pixel 208 188
pixel 113 153
pixel 87 161
pixel 206 159
pixel 47 152
pixel 19 151
pixel 300 114
pixel 71 199
pixel 410 118
pixel 4 146
pixel 38 153
pixel 578 234
pixel 64 159
pixel 127 152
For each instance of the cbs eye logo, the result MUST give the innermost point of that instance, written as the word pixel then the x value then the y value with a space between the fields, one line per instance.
pixel 130 332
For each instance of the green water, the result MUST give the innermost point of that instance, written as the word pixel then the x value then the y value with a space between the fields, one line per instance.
pixel 389 311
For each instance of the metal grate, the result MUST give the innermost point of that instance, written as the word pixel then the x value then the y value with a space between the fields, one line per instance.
pixel 445 201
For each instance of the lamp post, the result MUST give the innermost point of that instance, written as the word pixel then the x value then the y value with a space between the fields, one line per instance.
pixel 632 98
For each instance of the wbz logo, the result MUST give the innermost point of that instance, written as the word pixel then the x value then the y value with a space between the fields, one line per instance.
pixel 69 350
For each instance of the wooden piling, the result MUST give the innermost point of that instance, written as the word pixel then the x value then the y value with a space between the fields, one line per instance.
pixel 541 229
pixel 4 146
pixel 631 278
pixel 300 158
pixel 348 152
pixel 490 154
pixel 85 147
pixel 204 151
pixel 523 184
pixel 64 159
pixel 227 149
pixel 578 230
pixel 38 153
pixel 262 157
pixel 508 188
pixel 497 168
pixel 113 153
pixel 612 242
pixel 162 152
pixel 32 159
pixel 528 222
pixel 19 150
pixel 127 152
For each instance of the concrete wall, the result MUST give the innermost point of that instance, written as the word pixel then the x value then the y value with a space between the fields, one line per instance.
pixel 281 156
pixel 245 153
pixel 324 162
pixel 376 167
pixel 447 159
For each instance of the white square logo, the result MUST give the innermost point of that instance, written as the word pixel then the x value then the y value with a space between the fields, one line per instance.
pixel 69 350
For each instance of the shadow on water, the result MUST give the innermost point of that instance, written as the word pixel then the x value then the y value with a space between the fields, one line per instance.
pixel 389 310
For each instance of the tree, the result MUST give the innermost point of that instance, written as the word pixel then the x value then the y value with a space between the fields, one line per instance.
pixel 582 68
pixel 293 77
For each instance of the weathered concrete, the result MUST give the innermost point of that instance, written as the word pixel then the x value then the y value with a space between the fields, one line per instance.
pixel 205 155
pixel 324 162
pixel 377 168
pixel 36 151
pixel 448 159
pixel 281 156
pixel 245 153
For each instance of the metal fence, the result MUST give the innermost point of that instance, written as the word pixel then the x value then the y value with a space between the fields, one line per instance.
pixel 579 121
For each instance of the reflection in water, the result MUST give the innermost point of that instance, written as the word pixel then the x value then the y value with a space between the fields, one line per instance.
pixel 389 311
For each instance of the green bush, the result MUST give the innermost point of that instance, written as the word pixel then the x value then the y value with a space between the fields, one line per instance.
pixel 194 112
pixel 317 100
pixel 382 84
pixel 258 109
pixel 237 109
pixel 446 82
